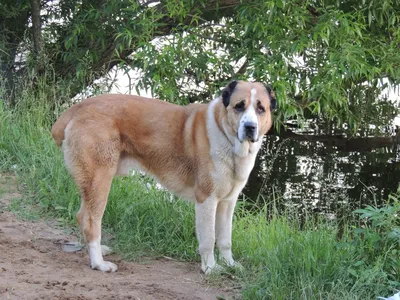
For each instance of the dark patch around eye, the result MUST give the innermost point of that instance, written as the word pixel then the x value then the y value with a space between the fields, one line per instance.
pixel 260 109
pixel 240 106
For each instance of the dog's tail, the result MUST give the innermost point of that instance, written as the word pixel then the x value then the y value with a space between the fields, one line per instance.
pixel 59 126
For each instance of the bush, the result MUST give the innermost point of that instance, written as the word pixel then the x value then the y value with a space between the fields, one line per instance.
pixel 377 243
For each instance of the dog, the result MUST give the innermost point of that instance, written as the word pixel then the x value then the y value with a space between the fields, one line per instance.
pixel 201 152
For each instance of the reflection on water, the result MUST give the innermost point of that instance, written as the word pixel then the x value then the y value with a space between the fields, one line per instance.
pixel 320 179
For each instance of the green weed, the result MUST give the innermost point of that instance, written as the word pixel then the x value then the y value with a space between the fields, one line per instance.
pixel 24 209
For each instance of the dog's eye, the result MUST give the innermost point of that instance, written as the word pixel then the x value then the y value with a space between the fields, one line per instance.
pixel 260 109
pixel 239 106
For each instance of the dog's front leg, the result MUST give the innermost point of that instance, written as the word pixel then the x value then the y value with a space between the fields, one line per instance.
pixel 205 229
pixel 223 231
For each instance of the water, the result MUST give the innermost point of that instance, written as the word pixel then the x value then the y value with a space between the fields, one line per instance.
pixel 320 179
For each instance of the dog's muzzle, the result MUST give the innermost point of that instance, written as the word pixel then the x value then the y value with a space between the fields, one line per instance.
pixel 250 129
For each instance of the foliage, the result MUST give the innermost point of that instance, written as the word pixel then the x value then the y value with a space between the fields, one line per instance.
pixel 326 59
pixel 378 240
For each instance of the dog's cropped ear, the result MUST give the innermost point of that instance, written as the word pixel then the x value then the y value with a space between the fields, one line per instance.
pixel 227 92
pixel 272 97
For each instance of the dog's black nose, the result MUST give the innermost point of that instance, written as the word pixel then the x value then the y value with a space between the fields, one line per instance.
pixel 250 127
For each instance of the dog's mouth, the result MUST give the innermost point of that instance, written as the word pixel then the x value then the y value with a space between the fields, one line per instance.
pixel 248 138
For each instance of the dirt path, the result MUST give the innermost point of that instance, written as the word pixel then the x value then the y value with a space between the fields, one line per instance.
pixel 34 266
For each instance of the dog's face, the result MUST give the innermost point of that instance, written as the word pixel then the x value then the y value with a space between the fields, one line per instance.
pixel 249 109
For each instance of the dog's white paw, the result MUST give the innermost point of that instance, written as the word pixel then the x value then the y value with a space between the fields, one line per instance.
pixel 105 250
pixel 105 266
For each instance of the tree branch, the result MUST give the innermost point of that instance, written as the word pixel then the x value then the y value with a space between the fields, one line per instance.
pixel 204 96
pixel 36 27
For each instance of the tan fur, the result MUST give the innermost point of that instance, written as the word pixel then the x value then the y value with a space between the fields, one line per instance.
pixel 103 136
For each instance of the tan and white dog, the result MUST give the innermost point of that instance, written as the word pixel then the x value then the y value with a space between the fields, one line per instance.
pixel 202 152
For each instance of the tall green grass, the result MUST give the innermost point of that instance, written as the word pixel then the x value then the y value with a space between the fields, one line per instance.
pixel 282 260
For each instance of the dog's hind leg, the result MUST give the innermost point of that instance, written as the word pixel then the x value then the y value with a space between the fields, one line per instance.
pixel 94 199
pixel 91 156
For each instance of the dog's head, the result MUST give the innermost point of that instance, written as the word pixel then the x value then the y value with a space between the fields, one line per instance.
pixel 249 108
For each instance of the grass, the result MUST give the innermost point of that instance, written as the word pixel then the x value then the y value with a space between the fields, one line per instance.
pixel 282 260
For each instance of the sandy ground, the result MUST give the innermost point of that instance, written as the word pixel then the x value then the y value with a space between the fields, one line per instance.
pixel 34 266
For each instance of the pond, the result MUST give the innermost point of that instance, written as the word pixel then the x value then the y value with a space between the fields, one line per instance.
pixel 320 179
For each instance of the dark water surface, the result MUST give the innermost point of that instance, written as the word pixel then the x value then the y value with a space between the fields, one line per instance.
pixel 320 179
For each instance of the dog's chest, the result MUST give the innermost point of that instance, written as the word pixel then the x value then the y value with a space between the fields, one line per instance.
pixel 231 174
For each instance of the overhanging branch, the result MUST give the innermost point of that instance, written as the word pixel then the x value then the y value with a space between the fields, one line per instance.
pixel 214 10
